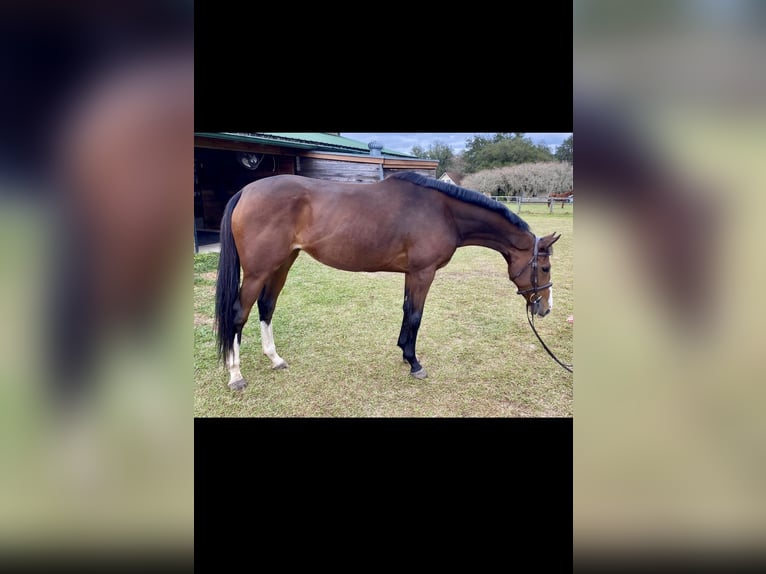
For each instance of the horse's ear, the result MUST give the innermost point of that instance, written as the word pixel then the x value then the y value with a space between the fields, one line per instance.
pixel 549 240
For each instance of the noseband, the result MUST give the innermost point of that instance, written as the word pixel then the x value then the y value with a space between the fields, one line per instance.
pixel 533 262
pixel 535 289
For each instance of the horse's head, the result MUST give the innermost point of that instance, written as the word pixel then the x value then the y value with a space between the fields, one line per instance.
pixel 532 274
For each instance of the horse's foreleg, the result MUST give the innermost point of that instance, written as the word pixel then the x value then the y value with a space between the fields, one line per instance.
pixel 416 287
pixel 266 304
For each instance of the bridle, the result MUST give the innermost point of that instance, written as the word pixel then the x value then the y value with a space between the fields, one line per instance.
pixel 533 262
pixel 535 288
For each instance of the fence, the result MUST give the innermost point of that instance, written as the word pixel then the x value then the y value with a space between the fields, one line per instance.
pixel 517 201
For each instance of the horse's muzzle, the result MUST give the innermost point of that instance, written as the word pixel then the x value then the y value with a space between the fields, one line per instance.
pixel 537 308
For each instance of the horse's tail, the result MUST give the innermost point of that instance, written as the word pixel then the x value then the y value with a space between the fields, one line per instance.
pixel 227 287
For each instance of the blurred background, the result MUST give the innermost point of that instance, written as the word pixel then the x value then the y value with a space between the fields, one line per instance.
pixel 96 442
pixel 670 117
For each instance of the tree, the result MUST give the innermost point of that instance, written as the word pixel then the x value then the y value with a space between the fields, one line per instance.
pixel 418 151
pixel 457 164
pixel 565 151
pixel 527 180
pixel 439 151
pixel 503 149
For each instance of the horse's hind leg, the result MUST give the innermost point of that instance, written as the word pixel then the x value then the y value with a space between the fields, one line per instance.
pixel 248 293
pixel 266 303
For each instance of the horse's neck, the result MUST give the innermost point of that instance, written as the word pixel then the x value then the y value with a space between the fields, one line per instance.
pixel 478 226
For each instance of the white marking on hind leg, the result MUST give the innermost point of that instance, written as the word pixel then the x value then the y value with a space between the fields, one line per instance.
pixel 234 373
pixel 269 348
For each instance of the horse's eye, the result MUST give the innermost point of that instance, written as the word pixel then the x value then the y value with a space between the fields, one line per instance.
pixel 546 269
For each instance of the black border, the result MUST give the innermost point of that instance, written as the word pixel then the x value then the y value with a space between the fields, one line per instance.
pixel 496 483
pixel 397 71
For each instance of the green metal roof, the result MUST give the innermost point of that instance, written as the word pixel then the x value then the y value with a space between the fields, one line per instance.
pixel 317 141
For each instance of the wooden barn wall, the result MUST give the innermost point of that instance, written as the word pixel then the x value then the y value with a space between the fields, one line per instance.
pixel 426 172
pixel 339 170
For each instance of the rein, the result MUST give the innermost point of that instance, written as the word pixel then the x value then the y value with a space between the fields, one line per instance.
pixel 535 289
pixel 530 318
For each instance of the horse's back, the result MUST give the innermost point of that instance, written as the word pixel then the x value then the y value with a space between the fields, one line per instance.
pixel 294 195
pixel 269 187
pixel 284 182
pixel 355 227
pixel 286 188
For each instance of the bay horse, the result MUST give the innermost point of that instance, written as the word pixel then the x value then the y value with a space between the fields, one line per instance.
pixel 562 197
pixel 406 223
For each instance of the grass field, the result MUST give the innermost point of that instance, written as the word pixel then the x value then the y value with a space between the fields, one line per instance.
pixel 337 330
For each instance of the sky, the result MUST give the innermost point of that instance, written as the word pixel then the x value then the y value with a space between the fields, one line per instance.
pixel 403 142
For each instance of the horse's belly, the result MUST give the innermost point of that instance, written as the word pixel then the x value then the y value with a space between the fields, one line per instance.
pixel 358 252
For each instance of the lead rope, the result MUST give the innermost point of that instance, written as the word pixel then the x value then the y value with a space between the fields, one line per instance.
pixel 530 318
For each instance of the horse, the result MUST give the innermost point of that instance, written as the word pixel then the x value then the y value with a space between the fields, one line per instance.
pixel 406 223
pixel 562 197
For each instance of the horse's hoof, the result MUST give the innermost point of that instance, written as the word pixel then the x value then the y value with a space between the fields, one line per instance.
pixel 421 374
pixel 238 385
pixel 282 365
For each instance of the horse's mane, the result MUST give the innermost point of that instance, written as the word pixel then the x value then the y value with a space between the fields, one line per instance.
pixel 462 194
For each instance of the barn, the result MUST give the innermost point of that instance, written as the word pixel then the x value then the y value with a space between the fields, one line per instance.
pixel 225 162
